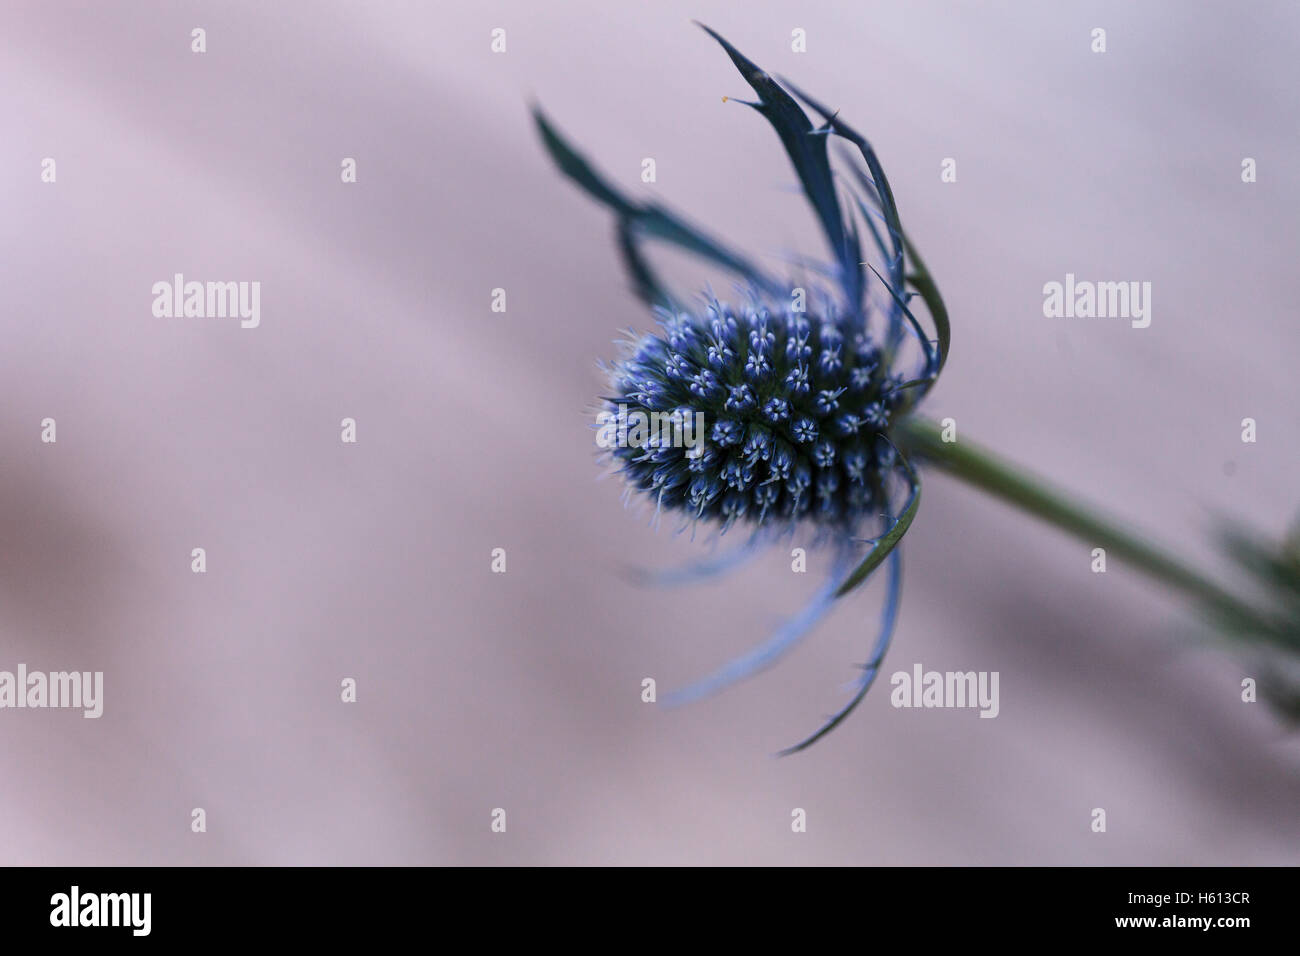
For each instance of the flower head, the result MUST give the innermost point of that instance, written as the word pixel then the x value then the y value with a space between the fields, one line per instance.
pixel 775 411
pixel 796 409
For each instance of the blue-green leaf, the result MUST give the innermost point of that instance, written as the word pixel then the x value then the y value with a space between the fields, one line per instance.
pixel 636 219
pixel 806 148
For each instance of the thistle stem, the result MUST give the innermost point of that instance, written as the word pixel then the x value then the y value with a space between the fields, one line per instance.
pixel 984 470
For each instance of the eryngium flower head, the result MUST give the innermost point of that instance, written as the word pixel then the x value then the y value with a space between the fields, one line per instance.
pixel 795 409
pixel 778 416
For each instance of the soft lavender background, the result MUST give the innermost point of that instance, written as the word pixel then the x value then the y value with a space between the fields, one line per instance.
pixel 522 691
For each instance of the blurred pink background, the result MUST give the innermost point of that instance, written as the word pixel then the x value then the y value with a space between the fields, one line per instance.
pixel 522 690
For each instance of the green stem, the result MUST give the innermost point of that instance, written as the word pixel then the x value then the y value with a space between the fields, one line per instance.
pixel 984 470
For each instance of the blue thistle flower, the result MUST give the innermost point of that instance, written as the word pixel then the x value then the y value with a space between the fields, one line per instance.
pixel 796 405
pixel 761 424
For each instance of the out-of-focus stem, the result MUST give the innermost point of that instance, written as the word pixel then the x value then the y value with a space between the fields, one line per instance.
pixel 982 469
